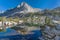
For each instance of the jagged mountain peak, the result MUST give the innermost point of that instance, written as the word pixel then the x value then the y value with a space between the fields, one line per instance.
pixel 22 4
pixel 25 8
pixel 21 8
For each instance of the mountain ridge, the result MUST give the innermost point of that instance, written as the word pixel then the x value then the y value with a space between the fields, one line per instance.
pixel 21 8
pixel 24 9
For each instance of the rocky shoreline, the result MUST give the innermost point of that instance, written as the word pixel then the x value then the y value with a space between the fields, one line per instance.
pixel 51 33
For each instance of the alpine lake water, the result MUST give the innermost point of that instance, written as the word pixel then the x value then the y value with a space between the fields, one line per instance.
pixel 11 34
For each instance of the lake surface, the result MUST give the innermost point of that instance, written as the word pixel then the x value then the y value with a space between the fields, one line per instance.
pixel 11 34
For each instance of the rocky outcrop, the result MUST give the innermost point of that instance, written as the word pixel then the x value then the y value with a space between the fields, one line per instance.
pixel 51 33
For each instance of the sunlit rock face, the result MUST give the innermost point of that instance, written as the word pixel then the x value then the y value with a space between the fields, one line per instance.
pixel 27 8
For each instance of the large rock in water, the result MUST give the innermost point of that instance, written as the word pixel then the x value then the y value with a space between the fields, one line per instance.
pixel 51 33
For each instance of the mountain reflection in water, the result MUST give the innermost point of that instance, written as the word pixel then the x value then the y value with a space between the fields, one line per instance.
pixel 11 34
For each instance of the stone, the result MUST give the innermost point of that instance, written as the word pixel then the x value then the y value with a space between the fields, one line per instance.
pixel 57 38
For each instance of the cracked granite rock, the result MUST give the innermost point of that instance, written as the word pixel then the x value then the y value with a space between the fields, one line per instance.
pixel 51 33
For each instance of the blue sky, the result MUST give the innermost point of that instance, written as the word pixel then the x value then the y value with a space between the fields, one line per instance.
pixel 43 4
